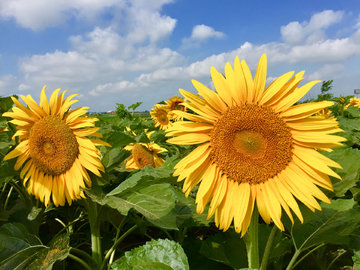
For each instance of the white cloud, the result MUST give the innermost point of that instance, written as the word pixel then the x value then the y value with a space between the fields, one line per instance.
pixel 327 72
pixel 201 34
pixel 40 14
pixel 7 84
pixel 310 32
pixel 23 87
pixel 125 62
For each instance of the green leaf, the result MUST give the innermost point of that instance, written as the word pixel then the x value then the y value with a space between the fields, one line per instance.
pixel 134 106
pixel 352 112
pixel 7 169
pixel 157 136
pixel 348 158
pixel 356 260
pixel 21 259
pixel 154 255
pixel 15 237
pixel 119 139
pixel 114 157
pixel 186 215
pixel 230 249
pixel 333 225
pixel 59 250
pixel 21 250
pixel 5 104
pixel 351 128
pixel 143 178
pixel 142 138
pixel 154 202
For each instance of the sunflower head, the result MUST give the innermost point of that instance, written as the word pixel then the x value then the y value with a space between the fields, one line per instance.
pixel 160 116
pixel 54 151
pixel 175 104
pixel 143 154
pixel 353 102
pixel 254 146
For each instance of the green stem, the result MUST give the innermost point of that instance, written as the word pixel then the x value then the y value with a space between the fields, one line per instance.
pixel 8 197
pixel 167 233
pixel 292 263
pixel 94 220
pixel 337 257
pixel 268 248
pixel 251 239
pixel 117 242
pixel 22 193
pixel 293 259
pixel 80 261
pixel 83 254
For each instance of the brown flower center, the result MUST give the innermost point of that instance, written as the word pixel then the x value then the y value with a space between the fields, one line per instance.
pixel 53 145
pixel 162 117
pixel 142 156
pixel 251 144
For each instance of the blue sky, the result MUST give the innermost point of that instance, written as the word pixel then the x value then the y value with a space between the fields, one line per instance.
pixel 118 51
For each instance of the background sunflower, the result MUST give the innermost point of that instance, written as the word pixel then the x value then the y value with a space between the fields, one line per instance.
pixel 54 151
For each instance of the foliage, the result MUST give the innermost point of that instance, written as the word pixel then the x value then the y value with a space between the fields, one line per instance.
pixel 325 88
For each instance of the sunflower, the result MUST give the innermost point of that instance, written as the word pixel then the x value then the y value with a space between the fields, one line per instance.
pixel 174 104
pixel 160 116
pixel 353 102
pixel 325 113
pixel 54 147
pixel 143 154
pixel 3 129
pixel 255 146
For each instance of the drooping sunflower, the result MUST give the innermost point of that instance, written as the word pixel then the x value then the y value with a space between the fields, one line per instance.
pixel 254 146
pixel 143 154
pixel 53 147
pixel 160 116
pixel 174 104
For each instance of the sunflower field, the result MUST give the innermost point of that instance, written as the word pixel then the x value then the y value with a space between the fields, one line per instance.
pixel 242 177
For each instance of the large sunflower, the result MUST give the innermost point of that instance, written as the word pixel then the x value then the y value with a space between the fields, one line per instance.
pixel 174 104
pixel 54 147
pixel 143 154
pixel 160 116
pixel 254 146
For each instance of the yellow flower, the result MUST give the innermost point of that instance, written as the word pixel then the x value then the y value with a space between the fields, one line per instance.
pixel 54 147
pixel 174 104
pixel 143 154
pixel 342 100
pixel 254 146
pixel 325 113
pixel 3 129
pixel 160 116
pixel 353 102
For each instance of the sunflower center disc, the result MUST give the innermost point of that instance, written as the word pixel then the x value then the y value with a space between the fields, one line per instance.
pixel 53 145
pixel 162 118
pixel 142 156
pixel 251 144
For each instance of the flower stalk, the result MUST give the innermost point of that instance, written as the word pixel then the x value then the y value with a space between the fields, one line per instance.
pixel 93 215
pixel 251 239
